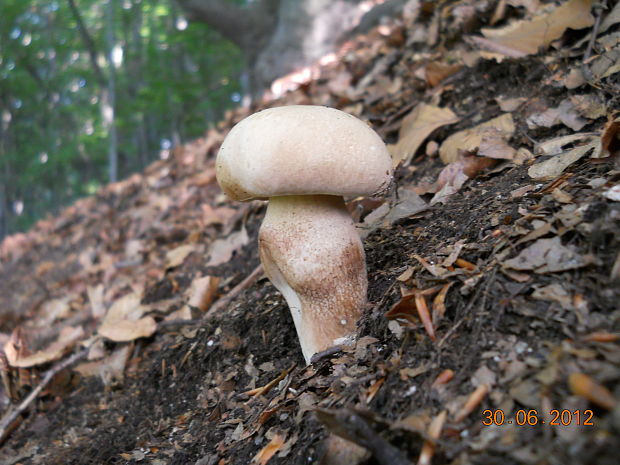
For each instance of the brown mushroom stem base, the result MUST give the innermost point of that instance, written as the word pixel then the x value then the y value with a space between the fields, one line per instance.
pixel 313 255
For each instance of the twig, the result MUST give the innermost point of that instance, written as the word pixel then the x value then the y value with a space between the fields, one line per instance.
pixel 12 415
pixel 261 391
pixel 235 291
pixel 585 69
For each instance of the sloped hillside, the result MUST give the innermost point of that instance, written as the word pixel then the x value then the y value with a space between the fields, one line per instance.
pixel 138 328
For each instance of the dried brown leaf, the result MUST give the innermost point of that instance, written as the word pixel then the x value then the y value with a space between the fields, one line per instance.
pixel 177 256
pixel 524 38
pixel 547 256
pixel 109 369
pixel 202 291
pixel 453 176
pixel 610 140
pixel 416 127
pixel 267 452
pixel 222 250
pixel 128 330
pixel 95 298
pixel 437 72
pixel 339 451
pixel 469 140
pixel 123 322
pixel 555 166
pixel 67 338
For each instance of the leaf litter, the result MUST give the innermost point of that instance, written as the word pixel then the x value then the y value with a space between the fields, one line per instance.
pixel 523 272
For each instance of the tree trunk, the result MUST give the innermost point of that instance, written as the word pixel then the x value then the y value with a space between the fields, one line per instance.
pixel 107 86
pixel 280 36
pixel 110 104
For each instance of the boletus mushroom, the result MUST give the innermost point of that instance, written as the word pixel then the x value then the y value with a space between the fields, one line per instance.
pixel 304 160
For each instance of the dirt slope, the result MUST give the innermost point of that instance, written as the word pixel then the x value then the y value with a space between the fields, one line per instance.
pixel 513 251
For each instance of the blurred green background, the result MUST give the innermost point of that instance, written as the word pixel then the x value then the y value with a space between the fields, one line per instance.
pixel 91 91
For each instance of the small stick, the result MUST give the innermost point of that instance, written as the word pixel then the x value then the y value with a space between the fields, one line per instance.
pixel 585 69
pixel 12 415
pixel 235 291
pixel 267 387
pixel 434 432
pixel 474 399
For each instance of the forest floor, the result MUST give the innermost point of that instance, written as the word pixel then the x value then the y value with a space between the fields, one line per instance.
pixel 514 251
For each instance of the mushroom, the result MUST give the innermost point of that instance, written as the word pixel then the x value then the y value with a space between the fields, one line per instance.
pixel 304 159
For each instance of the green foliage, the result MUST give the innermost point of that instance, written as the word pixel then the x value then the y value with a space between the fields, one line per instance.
pixel 173 80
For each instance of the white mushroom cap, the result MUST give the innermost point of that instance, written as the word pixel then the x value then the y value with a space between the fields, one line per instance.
pixel 300 150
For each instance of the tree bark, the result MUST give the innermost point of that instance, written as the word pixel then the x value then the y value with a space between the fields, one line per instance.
pixel 280 36
pixel 247 27
pixel 110 102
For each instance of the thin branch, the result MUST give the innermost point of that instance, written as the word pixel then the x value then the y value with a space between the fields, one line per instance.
pixel 88 42
pixel 12 415
pixel 235 291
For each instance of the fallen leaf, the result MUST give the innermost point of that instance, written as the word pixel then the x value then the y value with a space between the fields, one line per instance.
pixel 416 127
pixel 522 38
pixel 67 338
pixel 52 310
pixel 453 176
pixel 409 203
pixel 611 18
pixel 510 104
pixel 494 145
pixel 609 144
pixel 559 144
pixel 439 303
pixel 566 113
pixel 484 375
pixel 405 275
pixel 221 215
pixel 339 451
pixel 469 140
pixel 95 298
pixel 547 256
pixel 110 368
pixel 266 453
pixel 202 291
pixel 589 105
pixel 613 193
pixel 123 322
pixel 126 307
pixel 555 166
pixel 437 72
pixel 554 293
pixel 413 307
pixel 128 330
pixel 606 65
pixel 177 256
pixel 222 250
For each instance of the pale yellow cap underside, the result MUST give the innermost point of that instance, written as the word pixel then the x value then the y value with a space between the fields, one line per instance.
pixel 300 150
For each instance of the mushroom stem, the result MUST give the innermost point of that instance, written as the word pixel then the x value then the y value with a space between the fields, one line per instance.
pixel 313 255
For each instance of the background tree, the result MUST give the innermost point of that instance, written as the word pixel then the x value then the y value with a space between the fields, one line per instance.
pixel 58 60
pixel 279 36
